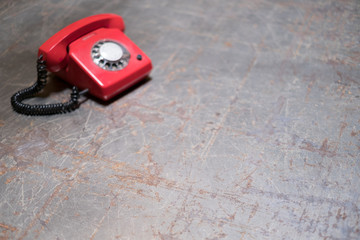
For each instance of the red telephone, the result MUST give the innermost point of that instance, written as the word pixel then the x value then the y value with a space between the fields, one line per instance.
pixel 94 53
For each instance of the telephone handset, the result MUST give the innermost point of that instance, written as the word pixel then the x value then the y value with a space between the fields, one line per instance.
pixel 93 54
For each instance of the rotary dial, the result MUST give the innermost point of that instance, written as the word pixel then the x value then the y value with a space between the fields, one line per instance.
pixel 110 55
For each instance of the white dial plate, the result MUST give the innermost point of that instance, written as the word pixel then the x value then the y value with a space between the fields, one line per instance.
pixel 111 51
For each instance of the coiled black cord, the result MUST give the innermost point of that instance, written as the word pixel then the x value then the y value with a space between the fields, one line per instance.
pixel 43 109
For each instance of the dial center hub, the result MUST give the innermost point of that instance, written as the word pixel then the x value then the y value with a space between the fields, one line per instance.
pixel 111 51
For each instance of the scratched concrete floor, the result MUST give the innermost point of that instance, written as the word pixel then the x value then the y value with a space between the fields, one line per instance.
pixel 248 129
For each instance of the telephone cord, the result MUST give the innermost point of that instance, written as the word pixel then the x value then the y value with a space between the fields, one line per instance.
pixel 43 109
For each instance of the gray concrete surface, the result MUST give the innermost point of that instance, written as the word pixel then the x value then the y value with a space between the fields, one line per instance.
pixel 248 129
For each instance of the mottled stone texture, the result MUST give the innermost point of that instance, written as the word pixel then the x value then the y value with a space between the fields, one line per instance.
pixel 249 127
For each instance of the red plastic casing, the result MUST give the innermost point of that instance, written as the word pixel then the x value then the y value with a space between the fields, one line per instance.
pixel 68 55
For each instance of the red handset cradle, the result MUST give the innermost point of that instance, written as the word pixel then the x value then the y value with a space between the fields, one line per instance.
pixel 54 50
pixel 75 54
